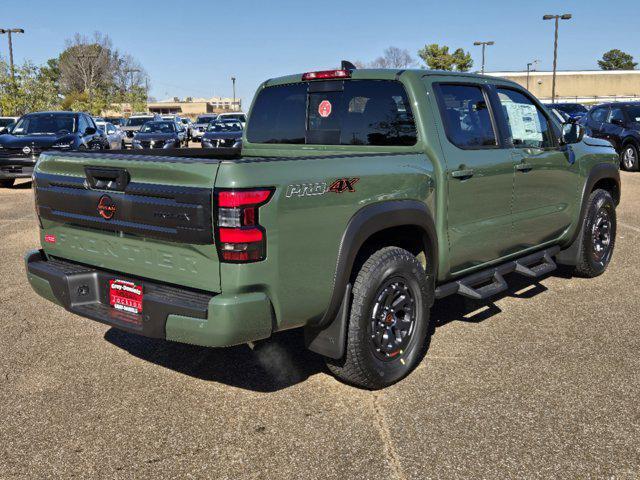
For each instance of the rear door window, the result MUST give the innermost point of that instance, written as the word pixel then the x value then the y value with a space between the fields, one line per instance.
pixel 355 112
pixel 466 116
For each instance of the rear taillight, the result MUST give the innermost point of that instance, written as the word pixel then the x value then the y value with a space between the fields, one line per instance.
pixel 326 75
pixel 240 237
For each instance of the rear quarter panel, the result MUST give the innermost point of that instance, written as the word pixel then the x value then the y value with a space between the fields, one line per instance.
pixel 304 232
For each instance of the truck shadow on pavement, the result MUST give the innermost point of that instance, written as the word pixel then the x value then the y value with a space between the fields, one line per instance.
pixel 273 365
pixel 283 360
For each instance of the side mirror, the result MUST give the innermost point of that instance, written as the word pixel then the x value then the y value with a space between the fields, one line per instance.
pixel 572 133
pixel 90 131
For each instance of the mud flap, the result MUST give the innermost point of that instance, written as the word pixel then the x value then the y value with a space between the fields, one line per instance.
pixel 329 341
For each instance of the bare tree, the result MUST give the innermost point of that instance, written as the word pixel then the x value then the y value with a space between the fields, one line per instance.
pixel 93 75
pixel 393 57
pixel 86 63
pixel 128 73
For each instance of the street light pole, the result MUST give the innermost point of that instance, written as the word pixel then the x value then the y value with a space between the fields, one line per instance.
pixel 566 16
pixel 233 81
pixel 9 31
pixel 484 44
pixel 529 65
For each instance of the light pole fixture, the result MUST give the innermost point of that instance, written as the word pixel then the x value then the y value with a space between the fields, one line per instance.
pixel 529 69
pixel 233 104
pixel 9 31
pixel 484 45
pixel 565 16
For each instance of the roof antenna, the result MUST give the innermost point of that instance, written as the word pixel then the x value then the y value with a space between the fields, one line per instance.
pixel 347 65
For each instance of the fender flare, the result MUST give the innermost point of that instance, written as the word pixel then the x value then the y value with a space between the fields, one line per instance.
pixel 600 171
pixel 631 139
pixel 327 335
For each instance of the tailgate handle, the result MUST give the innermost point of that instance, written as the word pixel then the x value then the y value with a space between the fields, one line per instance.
pixel 115 179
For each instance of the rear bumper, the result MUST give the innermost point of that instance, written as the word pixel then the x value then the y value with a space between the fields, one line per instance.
pixel 173 313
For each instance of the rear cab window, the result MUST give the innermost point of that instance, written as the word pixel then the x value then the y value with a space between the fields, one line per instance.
pixel 351 112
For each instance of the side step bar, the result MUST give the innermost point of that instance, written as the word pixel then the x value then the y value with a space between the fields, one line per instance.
pixel 489 282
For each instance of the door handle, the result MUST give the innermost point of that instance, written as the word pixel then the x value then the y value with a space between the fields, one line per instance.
pixel 462 174
pixel 524 167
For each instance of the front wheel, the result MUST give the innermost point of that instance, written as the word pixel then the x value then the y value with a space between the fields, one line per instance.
pixel 629 158
pixel 599 235
pixel 389 322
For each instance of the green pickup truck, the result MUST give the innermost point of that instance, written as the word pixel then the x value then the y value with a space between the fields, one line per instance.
pixel 358 199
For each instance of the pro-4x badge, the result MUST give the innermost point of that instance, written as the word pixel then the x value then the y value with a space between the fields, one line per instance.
pixel 344 185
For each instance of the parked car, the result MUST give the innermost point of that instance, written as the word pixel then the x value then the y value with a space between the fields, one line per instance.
pixel 6 122
pixel 239 116
pixel 618 123
pixel 158 134
pixel 116 121
pixel 200 126
pixel 115 136
pixel 223 134
pixel 182 130
pixel 359 198
pixel 35 132
pixel 135 123
pixel 573 110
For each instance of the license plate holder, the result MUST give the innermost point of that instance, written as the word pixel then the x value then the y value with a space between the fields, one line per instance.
pixel 125 296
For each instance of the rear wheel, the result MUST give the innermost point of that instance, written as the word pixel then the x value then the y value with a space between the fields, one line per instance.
pixel 629 158
pixel 389 322
pixel 7 182
pixel 599 235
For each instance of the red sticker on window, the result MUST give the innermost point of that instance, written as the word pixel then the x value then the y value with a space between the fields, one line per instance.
pixel 50 238
pixel 324 109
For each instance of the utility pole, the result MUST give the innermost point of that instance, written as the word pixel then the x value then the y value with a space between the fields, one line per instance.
pixel 529 65
pixel 233 81
pixel 566 16
pixel 484 44
pixel 9 31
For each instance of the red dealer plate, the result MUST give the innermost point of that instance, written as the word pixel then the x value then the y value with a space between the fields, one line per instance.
pixel 125 296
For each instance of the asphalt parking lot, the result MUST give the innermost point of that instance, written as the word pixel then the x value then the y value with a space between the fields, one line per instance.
pixel 545 382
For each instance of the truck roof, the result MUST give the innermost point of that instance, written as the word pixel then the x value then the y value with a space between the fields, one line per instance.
pixel 392 74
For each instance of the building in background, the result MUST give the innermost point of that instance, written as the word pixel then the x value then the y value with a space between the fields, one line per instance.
pixel 187 107
pixel 583 86
pixel 192 107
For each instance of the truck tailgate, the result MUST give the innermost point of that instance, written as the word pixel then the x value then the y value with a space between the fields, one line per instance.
pixel 145 216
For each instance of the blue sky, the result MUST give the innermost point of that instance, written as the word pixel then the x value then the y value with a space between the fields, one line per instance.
pixel 193 48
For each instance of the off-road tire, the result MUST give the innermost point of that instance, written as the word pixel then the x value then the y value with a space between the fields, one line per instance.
pixel 633 164
pixel 361 365
pixel 588 264
pixel 7 182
